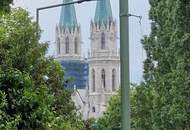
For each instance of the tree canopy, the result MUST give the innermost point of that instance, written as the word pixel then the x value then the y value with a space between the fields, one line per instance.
pixel 167 64
pixel 5 5
pixel 31 84
pixel 111 119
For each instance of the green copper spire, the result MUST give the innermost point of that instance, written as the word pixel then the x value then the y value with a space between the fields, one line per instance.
pixel 68 15
pixel 103 12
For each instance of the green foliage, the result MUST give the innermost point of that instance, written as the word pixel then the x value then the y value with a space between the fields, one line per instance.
pixel 5 5
pixel 31 85
pixel 111 119
pixel 141 104
pixel 166 69
pixel 23 102
pixel 89 122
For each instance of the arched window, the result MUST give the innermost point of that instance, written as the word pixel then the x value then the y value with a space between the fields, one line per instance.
pixel 93 81
pixel 67 45
pixel 103 41
pixel 58 46
pixel 113 79
pixel 93 109
pixel 76 46
pixel 103 76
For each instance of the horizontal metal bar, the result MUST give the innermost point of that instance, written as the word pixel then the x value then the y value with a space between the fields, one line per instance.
pixel 133 15
pixel 68 3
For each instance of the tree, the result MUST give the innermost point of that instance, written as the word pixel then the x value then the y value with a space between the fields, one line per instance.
pixel 141 106
pixel 111 119
pixel 5 5
pixel 167 65
pixel 31 85
pixel 22 104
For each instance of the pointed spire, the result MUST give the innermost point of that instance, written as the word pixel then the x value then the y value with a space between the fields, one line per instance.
pixel 68 16
pixel 103 12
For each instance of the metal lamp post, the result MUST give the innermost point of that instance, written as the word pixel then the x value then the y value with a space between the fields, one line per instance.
pixel 124 59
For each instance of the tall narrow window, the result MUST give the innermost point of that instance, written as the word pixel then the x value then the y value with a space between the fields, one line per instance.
pixel 103 76
pixel 76 46
pixel 113 79
pixel 93 81
pixel 103 41
pixel 58 46
pixel 93 109
pixel 67 45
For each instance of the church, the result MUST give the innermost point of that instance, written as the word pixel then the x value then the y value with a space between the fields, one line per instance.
pixel 96 78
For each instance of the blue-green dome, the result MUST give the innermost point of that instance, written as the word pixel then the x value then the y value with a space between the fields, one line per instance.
pixel 68 15
pixel 103 12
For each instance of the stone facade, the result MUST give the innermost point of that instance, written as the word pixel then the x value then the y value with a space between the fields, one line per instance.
pixel 68 43
pixel 104 65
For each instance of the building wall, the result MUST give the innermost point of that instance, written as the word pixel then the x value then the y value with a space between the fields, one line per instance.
pixel 106 59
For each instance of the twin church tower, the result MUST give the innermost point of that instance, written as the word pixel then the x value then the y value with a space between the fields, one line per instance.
pixel 99 74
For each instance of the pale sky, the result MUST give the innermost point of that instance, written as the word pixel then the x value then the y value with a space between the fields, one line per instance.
pixel 85 13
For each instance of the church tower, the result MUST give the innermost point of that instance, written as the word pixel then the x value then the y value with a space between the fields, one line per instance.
pixel 68 48
pixel 104 61
pixel 68 34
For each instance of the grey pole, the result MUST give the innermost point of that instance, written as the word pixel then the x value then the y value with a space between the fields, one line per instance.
pixel 124 59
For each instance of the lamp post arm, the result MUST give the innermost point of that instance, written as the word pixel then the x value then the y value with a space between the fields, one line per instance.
pixel 58 5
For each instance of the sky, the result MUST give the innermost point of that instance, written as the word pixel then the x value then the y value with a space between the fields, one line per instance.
pixel 85 13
